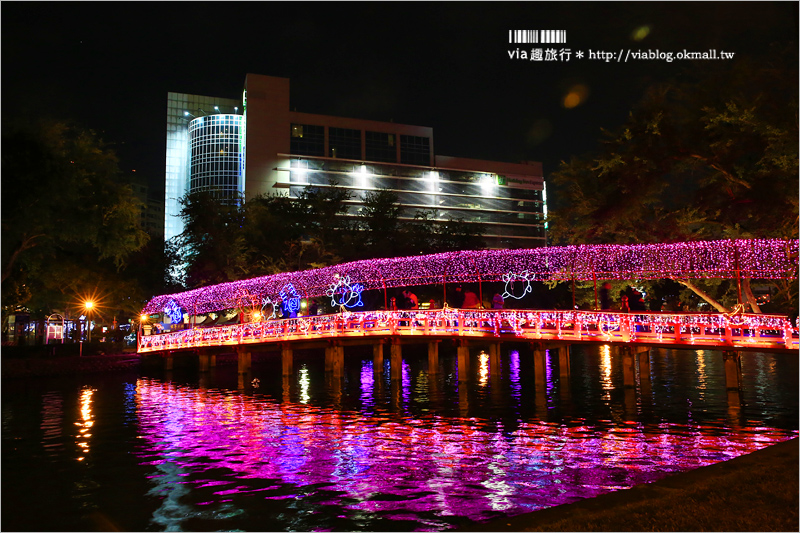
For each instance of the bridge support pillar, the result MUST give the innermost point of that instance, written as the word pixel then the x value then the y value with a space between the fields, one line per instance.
pixel 563 363
pixel 334 359
pixel 540 369
pixel 494 359
pixel 287 358
pixel 244 360
pixel 433 357
pixel 644 364
pixel 463 361
pixel 396 361
pixel 628 366
pixel 733 370
pixel 377 358
pixel 168 361
pixel 204 361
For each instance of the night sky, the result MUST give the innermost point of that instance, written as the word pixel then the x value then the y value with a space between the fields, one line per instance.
pixel 109 66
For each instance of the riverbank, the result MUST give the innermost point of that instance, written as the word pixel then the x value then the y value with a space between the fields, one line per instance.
pixel 754 492
pixel 25 367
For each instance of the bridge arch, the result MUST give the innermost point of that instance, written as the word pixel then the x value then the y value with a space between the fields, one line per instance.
pixel 753 258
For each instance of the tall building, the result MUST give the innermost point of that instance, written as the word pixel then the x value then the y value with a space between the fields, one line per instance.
pixel 257 145
pixel 151 216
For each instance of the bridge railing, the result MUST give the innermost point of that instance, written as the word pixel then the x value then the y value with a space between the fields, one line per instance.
pixel 768 332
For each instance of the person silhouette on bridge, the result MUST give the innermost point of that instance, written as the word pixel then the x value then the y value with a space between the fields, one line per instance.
pixel 605 296
pixel 497 301
pixel 471 300
pixel 411 300
pixel 457 300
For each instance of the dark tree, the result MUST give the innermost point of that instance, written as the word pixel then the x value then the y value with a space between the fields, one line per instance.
pixel 69 223
pixel 212 243
pixel 711 155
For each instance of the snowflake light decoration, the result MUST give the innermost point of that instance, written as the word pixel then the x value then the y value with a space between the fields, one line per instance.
pixel 264 303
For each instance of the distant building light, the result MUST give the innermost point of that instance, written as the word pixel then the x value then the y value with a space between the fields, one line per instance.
pixel 488 183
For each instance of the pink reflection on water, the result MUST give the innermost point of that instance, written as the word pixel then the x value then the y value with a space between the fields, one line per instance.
pixel 437 464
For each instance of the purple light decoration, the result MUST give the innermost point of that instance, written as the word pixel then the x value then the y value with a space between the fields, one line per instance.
pixel 753 258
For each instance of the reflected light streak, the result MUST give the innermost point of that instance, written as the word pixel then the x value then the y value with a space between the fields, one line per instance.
pixel 305 382
pixel 483 368
pixel 702 378
pixel 406 380
pixel 605 371
pixel 513 357
pixel 86 421
pixel 367 384
pixel 52 421
pixel 548 372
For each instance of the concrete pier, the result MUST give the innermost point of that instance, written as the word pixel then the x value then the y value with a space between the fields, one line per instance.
pixel 396 361
pixel 204 361
pixel 733 370
pixel 377 357
pixel 628 366
pixel 563 363
pixel 244 359
pixel 494 359
pixel 644 365
pixel 540 369
pixel 334 359
pixel 433 357
pixel 287 359
pixel 463 361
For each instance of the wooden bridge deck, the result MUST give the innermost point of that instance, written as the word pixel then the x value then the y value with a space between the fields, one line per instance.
pixel 740 332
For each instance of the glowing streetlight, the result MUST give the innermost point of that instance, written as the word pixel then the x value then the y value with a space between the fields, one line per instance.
pixel 88 305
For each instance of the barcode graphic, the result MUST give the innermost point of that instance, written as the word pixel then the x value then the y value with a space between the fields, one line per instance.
pixel 537 36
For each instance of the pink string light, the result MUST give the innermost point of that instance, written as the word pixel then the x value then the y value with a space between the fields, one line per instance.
pixel 729 259
pixel 767 332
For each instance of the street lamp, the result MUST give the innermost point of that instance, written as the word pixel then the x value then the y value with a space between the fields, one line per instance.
pixel 88 305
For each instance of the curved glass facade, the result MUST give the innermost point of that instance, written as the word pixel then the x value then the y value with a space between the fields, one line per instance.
pixel 216 162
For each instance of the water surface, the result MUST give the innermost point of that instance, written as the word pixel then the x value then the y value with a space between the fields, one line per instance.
pixel 184 451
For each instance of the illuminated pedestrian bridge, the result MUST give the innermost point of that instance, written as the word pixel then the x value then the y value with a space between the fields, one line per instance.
pixel 194 325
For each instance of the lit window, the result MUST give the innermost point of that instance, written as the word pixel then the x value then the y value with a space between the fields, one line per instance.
pixel 297 130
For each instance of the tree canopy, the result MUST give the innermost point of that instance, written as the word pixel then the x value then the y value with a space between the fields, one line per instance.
pixel 713 154
pixel 271 234
pixel 68 221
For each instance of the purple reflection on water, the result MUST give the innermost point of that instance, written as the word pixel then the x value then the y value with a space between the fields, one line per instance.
pixel 548 370
pixel 406 381
pixel 410 466
pixel 513 357
pixel 367 384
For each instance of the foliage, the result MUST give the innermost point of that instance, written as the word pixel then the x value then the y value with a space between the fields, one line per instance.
pixel 712 155
pixel 271 234
pixel 68 221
